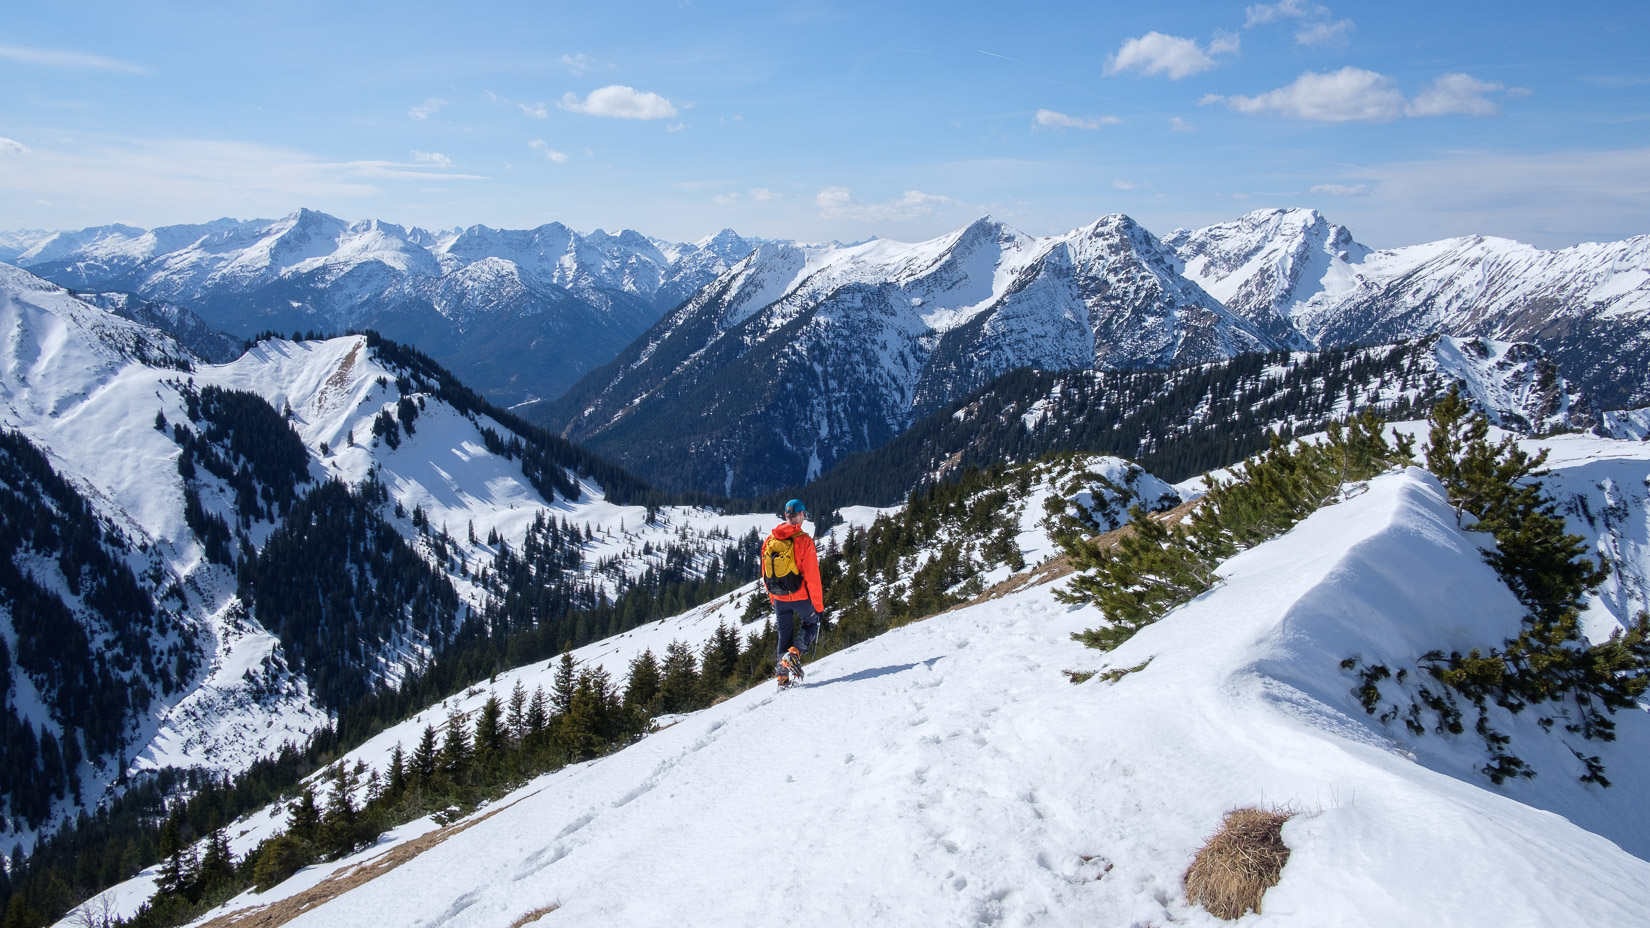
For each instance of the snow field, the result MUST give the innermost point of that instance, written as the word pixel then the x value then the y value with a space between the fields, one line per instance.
pixel 946 773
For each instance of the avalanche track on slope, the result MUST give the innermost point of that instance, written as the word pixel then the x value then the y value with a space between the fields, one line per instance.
pixel 946 773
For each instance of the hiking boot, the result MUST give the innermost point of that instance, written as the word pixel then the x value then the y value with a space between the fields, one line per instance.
pixel 790 667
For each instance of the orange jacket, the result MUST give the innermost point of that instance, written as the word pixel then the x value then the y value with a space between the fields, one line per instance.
pixel 807 560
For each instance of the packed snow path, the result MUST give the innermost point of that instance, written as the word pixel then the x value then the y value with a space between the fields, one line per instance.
pixel 948 774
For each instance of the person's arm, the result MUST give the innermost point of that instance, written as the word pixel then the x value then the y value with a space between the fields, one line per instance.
pixel 810 573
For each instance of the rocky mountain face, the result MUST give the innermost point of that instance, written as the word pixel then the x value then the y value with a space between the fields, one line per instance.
pixel 1304 279
pixel 519 313
pixel 796 357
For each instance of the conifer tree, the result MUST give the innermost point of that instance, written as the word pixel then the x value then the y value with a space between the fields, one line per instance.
pixel 679 683
pixel 490 735
pixel 643 683
pixel 217 866
pixel 304 816
pixel 424 757
pixel 396 779
pixel 538 712
pixel 338 824
pixel 561 687
pixel 173 876
pixel 455 747
pixel 515 720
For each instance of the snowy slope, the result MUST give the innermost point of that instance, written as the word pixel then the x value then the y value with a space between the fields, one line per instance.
pixel 947 773
pixel 1626 424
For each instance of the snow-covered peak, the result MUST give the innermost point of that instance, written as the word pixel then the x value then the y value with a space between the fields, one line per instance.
pixel 61 244
pixel 1266 263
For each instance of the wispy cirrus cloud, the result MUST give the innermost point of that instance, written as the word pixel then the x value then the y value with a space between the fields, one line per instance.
pixel 1341 190
pixel 1056 120
pixel 550 154
pixel 1460 94
pixel 432 157
pixel 427 109
pixel 618 101
pixel 1325 34
pixel 1356 95
pixel 1550 199
pixel 165 180
pixel 1262 13
pixel 580 64
pixel 1318 27
pixel 12 147
pixel 68 59
pixel 1173 56
pixel 839 203
pixel 534 110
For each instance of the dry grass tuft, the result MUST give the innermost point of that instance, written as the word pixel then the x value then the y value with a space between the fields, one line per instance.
pixel 535 915
pixel 1240 863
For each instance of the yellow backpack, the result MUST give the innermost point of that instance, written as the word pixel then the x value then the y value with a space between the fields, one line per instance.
pixel 780 572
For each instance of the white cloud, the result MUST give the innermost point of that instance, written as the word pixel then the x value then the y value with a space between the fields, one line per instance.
pixel 764 194
pixel 1263 13
pixel 1455 94
pixel 580 63
pixel 1224 43
pixel 839 203
pixel 550 154
pixel 1058 120
pixel 676 128
pixel 432 157
pixel 725 198
pixel 1180 125
pixel 1156 53
pixel 67 58
pixel 1326 33
pixel 1341 190
pixel 1124 185
pixel 535 110
pixel 1347 95
pixel 12 147
pixel 427 109
pixel 616 101
pixel 1356 95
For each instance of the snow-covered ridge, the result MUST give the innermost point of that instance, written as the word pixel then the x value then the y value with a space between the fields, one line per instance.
pixel 949 772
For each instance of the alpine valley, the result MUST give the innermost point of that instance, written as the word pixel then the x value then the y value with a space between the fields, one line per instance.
pixel 444 610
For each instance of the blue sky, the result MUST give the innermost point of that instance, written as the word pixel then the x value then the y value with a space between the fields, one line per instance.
pixel 1405 121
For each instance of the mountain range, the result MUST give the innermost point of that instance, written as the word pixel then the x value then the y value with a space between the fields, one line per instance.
pixel 521 313
pixel 280 538
pixel 797 357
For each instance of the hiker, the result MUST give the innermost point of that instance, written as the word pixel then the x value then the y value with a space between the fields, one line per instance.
pixel 790 570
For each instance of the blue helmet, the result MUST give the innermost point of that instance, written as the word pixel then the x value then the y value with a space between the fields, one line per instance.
pixel 793 507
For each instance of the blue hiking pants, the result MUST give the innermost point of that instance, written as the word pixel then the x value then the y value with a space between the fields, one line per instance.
pixel 790 612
